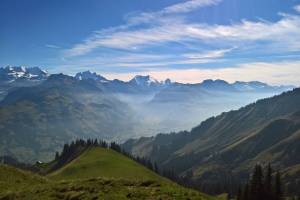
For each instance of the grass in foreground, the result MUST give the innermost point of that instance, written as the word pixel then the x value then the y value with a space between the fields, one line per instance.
pixel 98 188
pixel 97 174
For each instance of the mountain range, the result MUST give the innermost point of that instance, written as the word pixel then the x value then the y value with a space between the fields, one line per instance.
pixel 39 111
pixel 12 74
pixel 150 83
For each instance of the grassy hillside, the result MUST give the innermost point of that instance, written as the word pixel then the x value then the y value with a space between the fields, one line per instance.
pixel 105 163
pixel 96 174
pixel 12 178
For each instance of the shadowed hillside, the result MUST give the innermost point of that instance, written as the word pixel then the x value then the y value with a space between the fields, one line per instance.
pixel 37 121
pixel 232 143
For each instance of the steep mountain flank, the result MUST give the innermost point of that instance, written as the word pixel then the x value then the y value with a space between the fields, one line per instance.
pixel 233 142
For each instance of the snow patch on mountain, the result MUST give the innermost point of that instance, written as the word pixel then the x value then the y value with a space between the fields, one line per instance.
pixel 13 73
pixel 90 75
pixel 145 81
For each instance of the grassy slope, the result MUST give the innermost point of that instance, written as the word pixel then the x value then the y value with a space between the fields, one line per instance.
pixel 12 178
pixel 105 163
pixel 97 174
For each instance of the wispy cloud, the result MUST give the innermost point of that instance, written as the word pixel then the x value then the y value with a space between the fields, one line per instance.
pixel 208 55
pixel 143 60
pixel 297 8
pixel 51 46
pixel 158 29
pixel 283 33
pixel 189 6
pixel 179 8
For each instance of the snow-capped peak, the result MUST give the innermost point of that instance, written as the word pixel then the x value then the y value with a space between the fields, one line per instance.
pixel 12 73
pixel 144 80
pixel 90 75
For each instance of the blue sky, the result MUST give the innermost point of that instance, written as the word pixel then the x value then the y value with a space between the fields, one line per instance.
pixel 186 40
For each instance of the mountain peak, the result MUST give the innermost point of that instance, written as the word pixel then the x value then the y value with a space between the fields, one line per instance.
pixel 144 80
pixel 217 81
pixel 90 75
pixel 15 68
pixel 168 81
pixel 217 85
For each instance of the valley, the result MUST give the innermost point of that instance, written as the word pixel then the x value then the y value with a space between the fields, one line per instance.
pixel 59 108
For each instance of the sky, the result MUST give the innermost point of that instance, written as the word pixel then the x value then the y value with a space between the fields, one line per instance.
pixel 185 40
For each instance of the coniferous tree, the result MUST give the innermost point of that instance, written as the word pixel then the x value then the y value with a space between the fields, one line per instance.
pixel 95 142
pixel 268 178
pixel 246 192
pixel 156 169
pixel 56 156
pixel 65 149
pixel 116 147
pixel 239 194
pixel 89 142
pixel 268 183
pixel 256 184
pixel 278 186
